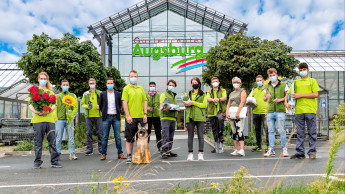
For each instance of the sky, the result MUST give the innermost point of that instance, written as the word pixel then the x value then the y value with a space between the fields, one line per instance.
pixel 302 24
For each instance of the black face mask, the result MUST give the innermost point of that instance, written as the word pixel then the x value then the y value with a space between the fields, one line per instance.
pixel 195 86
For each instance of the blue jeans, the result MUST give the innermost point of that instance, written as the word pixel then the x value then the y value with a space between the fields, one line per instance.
pixel 60 127
pixel 106 129
pixel 276 119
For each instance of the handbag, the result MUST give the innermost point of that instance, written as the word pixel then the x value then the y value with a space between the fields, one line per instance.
pixel 251 100
pixel 233 111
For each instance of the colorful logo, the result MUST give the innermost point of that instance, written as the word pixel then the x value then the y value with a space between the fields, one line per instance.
pixel 190 63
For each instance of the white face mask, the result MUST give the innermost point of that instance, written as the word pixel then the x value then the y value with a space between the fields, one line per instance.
pixel 152 89
pixel 236 85
pixel 215 84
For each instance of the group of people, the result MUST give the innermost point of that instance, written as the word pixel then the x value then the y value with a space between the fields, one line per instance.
pixel 103 110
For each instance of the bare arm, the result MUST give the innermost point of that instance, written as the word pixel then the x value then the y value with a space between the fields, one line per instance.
pixel 312 95
pixel 125 108
pixel 145 106
pixel 33 110
pixel 243 100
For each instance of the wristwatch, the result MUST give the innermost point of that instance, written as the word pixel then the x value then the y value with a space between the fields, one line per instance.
pixel 145 113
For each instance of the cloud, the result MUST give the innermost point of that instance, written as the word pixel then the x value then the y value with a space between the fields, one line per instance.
pixel 6 57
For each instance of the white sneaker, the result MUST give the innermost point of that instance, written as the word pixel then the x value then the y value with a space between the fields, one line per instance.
pixel 241 153
pixel 234 153
pixel 270 152
pixel 201 157
pixel 190 157
pixel 285 152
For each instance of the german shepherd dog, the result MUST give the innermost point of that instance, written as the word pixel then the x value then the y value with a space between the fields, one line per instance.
pixel 143 155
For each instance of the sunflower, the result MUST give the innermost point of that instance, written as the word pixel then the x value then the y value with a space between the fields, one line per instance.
pixel 69 101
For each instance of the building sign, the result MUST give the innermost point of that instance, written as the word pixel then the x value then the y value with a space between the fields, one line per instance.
pixel 158 51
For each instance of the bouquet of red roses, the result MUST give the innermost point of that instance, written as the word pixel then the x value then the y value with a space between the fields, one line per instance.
pixel 41 100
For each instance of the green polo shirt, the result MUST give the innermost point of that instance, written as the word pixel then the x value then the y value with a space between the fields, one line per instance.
pixel 93 99
pixel 135 97
pixel 261 107
pixel 217 104
pixel 161 100
pixel 305 86
pixel 47 118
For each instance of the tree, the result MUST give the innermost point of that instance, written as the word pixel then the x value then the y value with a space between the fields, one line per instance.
pixel 246 57
pixel 67 58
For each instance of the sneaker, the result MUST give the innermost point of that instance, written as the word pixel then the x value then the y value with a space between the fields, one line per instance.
pixel 270 152
pixel 241 153
pixel 172 155
pixel 56 165
pixel 297 156
pixel 234 153
pixel 190 157
pixel 129 159
pixel 213 151
pixel 165 156
pixel 257 149
pixel 38 165
pixel 73 157
pixel 201 157
pixel 221 147
pixel 88 153
pixel 312 156
pixel 285 152
pixel 222 140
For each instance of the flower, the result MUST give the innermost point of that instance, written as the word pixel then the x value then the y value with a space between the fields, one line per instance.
pixel 45 96
pixel 33 89
pixel 36 97
pixel 218 184
pixel 115 180
pixel 52 99
pixel 152 93
pixel 46 108
pixel 126 184
pixel 116 187
pixel 69 100
pixel 120 177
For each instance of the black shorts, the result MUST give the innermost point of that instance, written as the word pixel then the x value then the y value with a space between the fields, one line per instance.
pixel 132 129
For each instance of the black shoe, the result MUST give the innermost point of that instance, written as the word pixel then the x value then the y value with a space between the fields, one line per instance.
pixel 56 165
pixel 297 156
pixel 172 154
pixel 38 165
pixel 88 153
pixel 257 149
pixel 129 159
pixel 165 156
pixel 213 151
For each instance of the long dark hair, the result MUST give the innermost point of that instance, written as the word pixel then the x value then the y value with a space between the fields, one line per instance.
pixel 199 82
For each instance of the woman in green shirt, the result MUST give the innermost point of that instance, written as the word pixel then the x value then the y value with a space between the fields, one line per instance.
pixel 196 116
pixel 44 124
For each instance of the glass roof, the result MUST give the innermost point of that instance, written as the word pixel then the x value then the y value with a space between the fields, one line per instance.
pixel 146 9
pixel 9 74
pixel 322 60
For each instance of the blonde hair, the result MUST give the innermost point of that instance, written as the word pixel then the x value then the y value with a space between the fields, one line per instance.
pixel 236 79
pixel 49 86
pixel 92 79
pixel 272 70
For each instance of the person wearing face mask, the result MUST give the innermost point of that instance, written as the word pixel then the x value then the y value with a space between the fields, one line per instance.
pixel 216 98
pixel 92 116
pixel 196 116
pixel 44 124
pixel 168 120
pixel 153 118
pixel 110 105
pixel 237 98
pixel 306 92
pixel 275 93
pixel 134 103
pixel 259 113
pixel 61 123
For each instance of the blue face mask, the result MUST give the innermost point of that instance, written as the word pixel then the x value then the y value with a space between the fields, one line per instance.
pixel 273 79
pixel 303 73
pixel 171 88
pixel 133 80
pixel 259 84
pixel 92 86
pixel 65 88
pixel 43 82
pixel 110 86
pixel 152 89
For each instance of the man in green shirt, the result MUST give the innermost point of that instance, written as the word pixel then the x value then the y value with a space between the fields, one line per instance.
pixel 61 124
pixel 216 98
pixel 259 113
pixel 92 116
pixel 306 92
pixel 153 113
pixel 135 106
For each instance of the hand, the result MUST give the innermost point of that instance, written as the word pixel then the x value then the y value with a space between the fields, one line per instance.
pixel 186 104
pixel 190 103
pixel 227 116
pixel 268 96
pixel 89 108
pixel 150 109
pixel 296 96
pixel 166 109
pixel 288 106
pixel 145 119
pixel 216 100
pixel 97 107
pixel 276 100
pixel 129 119
pixel 237 115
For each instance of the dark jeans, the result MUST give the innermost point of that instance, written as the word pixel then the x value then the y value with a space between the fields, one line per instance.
pixel 168 131
pixel 111 121
pixel 300 120
pixel 258 121
pixel 217 124
pixel 131 131
pixel 89 130
pixel 200 131
pixel 156 122
pixel 40 129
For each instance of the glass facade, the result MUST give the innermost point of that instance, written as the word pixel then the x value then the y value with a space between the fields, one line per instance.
pixel 158 31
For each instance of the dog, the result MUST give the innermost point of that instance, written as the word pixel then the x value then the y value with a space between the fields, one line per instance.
pixel 143 155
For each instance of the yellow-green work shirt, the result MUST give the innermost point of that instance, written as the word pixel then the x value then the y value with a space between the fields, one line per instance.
pixel 198 104
pixel 217 104
pixel 135 97
pixel 161 100
pixel 47 118
pixel 305 86
pixel 93 99
pixel 261 107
